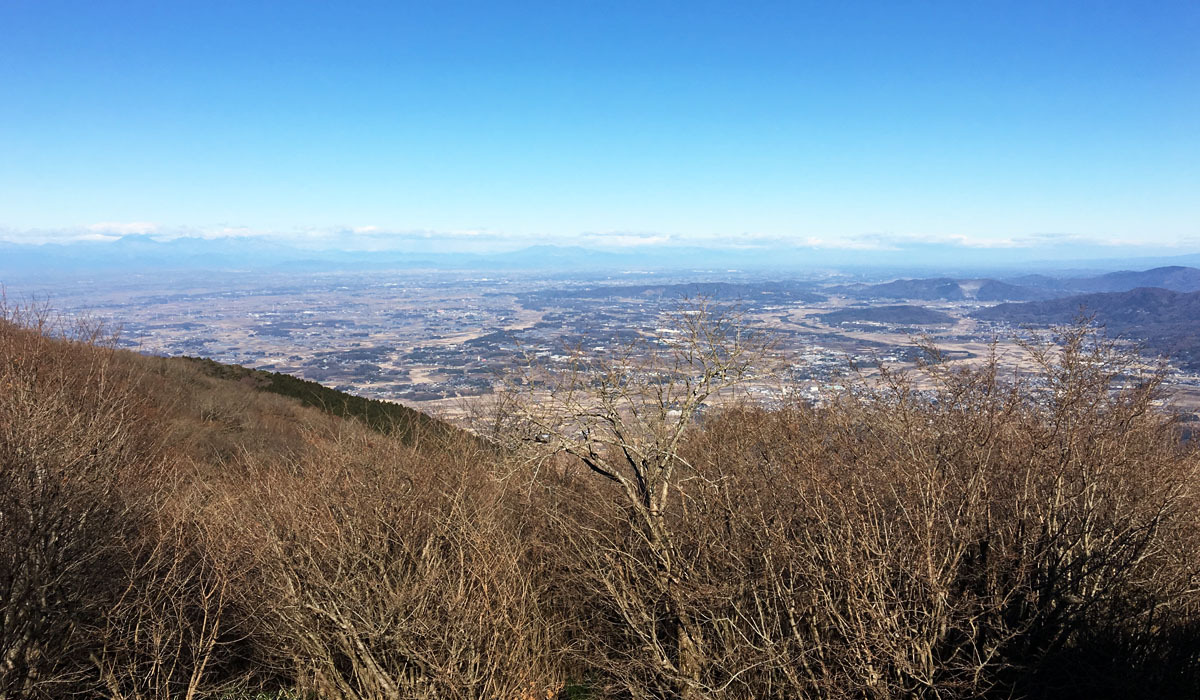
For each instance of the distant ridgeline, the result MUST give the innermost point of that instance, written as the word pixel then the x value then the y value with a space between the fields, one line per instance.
pixel 1025 288
pixel 383 416
pixel 1163 321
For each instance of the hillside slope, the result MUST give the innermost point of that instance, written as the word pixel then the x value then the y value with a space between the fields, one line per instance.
pixel 1166 322
pixel 176 528
pixel 1175 278
pixel 383 416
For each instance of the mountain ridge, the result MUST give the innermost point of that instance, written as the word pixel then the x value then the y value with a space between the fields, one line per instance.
pixel 1176 278
pixel 1165 321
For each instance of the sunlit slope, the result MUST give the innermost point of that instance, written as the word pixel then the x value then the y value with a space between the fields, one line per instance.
pixel 383 416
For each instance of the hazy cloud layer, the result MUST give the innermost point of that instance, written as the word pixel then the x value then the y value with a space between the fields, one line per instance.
pixel 373 237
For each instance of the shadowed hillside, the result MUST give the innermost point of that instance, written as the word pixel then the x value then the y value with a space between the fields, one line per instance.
pixel 1028 287
pixel 1165 322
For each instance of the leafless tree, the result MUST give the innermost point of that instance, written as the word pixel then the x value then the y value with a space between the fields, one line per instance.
pixel 623 416
pixel 956 533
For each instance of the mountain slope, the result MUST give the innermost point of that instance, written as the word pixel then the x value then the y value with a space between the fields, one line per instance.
pixel 1167 322
pixel 1175 278
pixel 383 416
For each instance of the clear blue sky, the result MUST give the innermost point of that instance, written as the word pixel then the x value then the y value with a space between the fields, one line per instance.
pixel 835 121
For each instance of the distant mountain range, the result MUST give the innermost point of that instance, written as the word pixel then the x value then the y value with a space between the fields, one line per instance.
pixel 141 252
pixel 1166 321
pixel 1026 288
pixel 1175 278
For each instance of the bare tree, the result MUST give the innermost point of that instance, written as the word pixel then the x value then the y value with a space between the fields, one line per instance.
pixel 623 416
pixel 958 532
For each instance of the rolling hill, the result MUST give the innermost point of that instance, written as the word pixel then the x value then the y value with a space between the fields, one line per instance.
pixel 1166 322
pixel 382 416
pixel 1175 278
pixel 938 288
pixel 945 289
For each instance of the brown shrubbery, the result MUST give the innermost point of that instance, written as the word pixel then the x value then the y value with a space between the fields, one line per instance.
pixel 75 452
pixel 1037 538
pixel 166 534
pixel 383 571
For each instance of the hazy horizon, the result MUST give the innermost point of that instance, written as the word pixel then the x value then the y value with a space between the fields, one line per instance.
pixel 143 253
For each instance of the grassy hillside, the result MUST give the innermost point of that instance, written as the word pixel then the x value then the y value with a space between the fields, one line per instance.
pixel 383 416
pixel 178 529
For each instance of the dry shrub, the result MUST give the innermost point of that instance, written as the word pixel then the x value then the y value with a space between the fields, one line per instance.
pixel 75 450
pixel 111 583
pixel 168 535
pixel 178 628
pixel 384 571
pixel 1034 537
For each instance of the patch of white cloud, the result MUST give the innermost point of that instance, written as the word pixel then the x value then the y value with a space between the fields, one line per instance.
pixel 124 228
pixel 624 239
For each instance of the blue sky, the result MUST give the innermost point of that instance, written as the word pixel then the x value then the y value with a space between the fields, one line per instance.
pixel 836 124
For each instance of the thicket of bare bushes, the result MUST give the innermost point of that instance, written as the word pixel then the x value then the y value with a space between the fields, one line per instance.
pixel 164 534
pixel 964 533
pixel 73 454
pixel 956 534
pixel 1037 538
pixel 386 571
